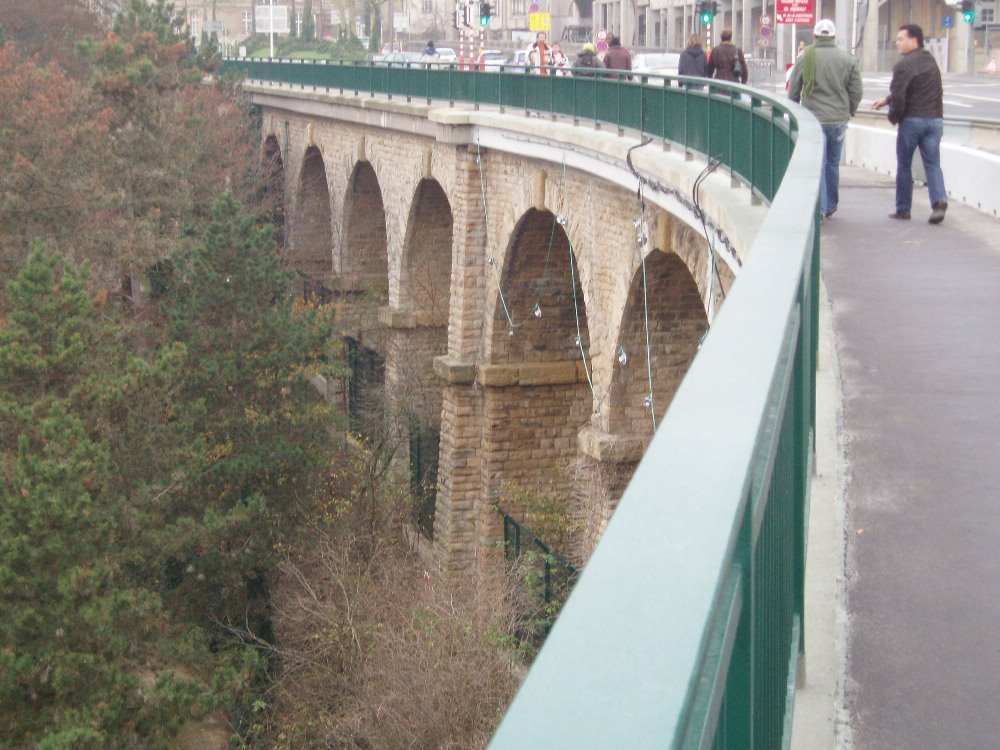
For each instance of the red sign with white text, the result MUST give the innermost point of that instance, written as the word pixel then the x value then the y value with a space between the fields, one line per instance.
pixel 801 12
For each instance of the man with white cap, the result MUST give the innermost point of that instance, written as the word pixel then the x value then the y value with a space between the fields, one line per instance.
pixel 827 80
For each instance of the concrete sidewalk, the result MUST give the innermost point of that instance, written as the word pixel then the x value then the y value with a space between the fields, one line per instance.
pixel 903 585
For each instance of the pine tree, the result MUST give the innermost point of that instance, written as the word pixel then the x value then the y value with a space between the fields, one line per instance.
pixel 88 654
pixel 308 22
pixel 250 353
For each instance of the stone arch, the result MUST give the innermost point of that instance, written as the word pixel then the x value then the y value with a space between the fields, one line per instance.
pixel 425 275
pixel 364 258
pixel 419 333
pixel 536 397
pixel 677 321
pixel 312 239
pixel 537 273
pixel 273 187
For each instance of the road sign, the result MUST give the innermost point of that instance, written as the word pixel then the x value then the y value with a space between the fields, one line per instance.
pixel 765 20
pixel 539 21
pixel 766 31
pixel 947 22
pixel 602 35
pixel 802 12
pixel 764 42
pixel 533 8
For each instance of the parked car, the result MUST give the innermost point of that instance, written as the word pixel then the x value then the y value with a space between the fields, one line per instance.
pixel 517 62
pixel 402 57
pixel 493 59
pixel 447 55
pixel 656 63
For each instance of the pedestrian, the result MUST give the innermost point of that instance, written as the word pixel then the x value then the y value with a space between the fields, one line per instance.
pixel 827 81
pixel 617 57
pixel 429 55
pixel 559 59
pixel 916 107
pixel 693 61
pixel 586 61
pixel 539 55
pixel 726 63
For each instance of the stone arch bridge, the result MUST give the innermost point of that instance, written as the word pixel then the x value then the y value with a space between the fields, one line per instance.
pixel 530 309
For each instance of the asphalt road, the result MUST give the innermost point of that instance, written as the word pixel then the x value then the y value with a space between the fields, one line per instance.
pixel 964 96
pixel 916 317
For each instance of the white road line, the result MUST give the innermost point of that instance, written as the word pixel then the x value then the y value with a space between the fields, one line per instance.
pixel 993 99
pixel 951 103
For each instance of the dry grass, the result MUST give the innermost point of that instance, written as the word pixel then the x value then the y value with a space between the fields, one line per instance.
pixel 376 653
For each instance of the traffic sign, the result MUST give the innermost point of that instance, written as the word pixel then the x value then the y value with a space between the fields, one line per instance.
pixel 801 12
pixel 539 21
pixel 533 8
pixel 765 20
pixel 766 31
pixel 602 35
pixel 764 42
pixel 947 22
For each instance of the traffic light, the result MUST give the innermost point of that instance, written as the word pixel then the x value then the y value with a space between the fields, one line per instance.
pixel 707 10
pixel 968 10
pixel 485 11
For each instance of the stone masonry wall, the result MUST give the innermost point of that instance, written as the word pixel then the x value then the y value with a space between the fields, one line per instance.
pixel 501 421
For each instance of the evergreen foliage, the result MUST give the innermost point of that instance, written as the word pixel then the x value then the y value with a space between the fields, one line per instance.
pixel 308 22
pixel 250 352
pixel 89 656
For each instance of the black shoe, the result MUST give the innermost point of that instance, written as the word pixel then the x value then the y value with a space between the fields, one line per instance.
pixel 829 213
pixel 902 215
pixel 937 214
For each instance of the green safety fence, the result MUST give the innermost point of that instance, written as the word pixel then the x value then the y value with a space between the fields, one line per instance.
pixel 745 128
pixel 685 627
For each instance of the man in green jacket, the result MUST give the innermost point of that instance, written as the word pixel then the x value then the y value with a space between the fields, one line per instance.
pixel 827 80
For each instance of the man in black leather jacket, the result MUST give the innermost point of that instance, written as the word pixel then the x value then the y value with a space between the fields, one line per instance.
pixel 916 106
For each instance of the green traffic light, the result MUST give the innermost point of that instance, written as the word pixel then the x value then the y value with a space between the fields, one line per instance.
pixel 484 21
pixel 969 16
pixel 706 18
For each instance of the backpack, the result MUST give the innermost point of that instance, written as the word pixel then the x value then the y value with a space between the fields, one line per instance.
pixel 737 68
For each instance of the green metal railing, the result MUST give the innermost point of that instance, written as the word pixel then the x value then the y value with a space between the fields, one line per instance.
pixel 558 573
pixel 684 628
pixel 749 131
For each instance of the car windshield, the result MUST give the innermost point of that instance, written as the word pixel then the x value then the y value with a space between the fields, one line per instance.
pixel 446 52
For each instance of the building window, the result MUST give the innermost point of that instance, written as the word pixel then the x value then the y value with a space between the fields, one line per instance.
pixel 247 21
pixel 334 17
pixel 985 15
pixel 518 7
pixel 427 8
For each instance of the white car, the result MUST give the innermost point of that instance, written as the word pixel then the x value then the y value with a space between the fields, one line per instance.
pixel 493 59
pixel 402 57
pixel 656 64
pixel 517 62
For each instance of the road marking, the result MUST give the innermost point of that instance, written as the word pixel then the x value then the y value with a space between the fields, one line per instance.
pixel 993 99
pixel 951 103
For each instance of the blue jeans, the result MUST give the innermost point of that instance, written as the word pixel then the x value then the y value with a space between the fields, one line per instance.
pixel 833 146
pixel 923 133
